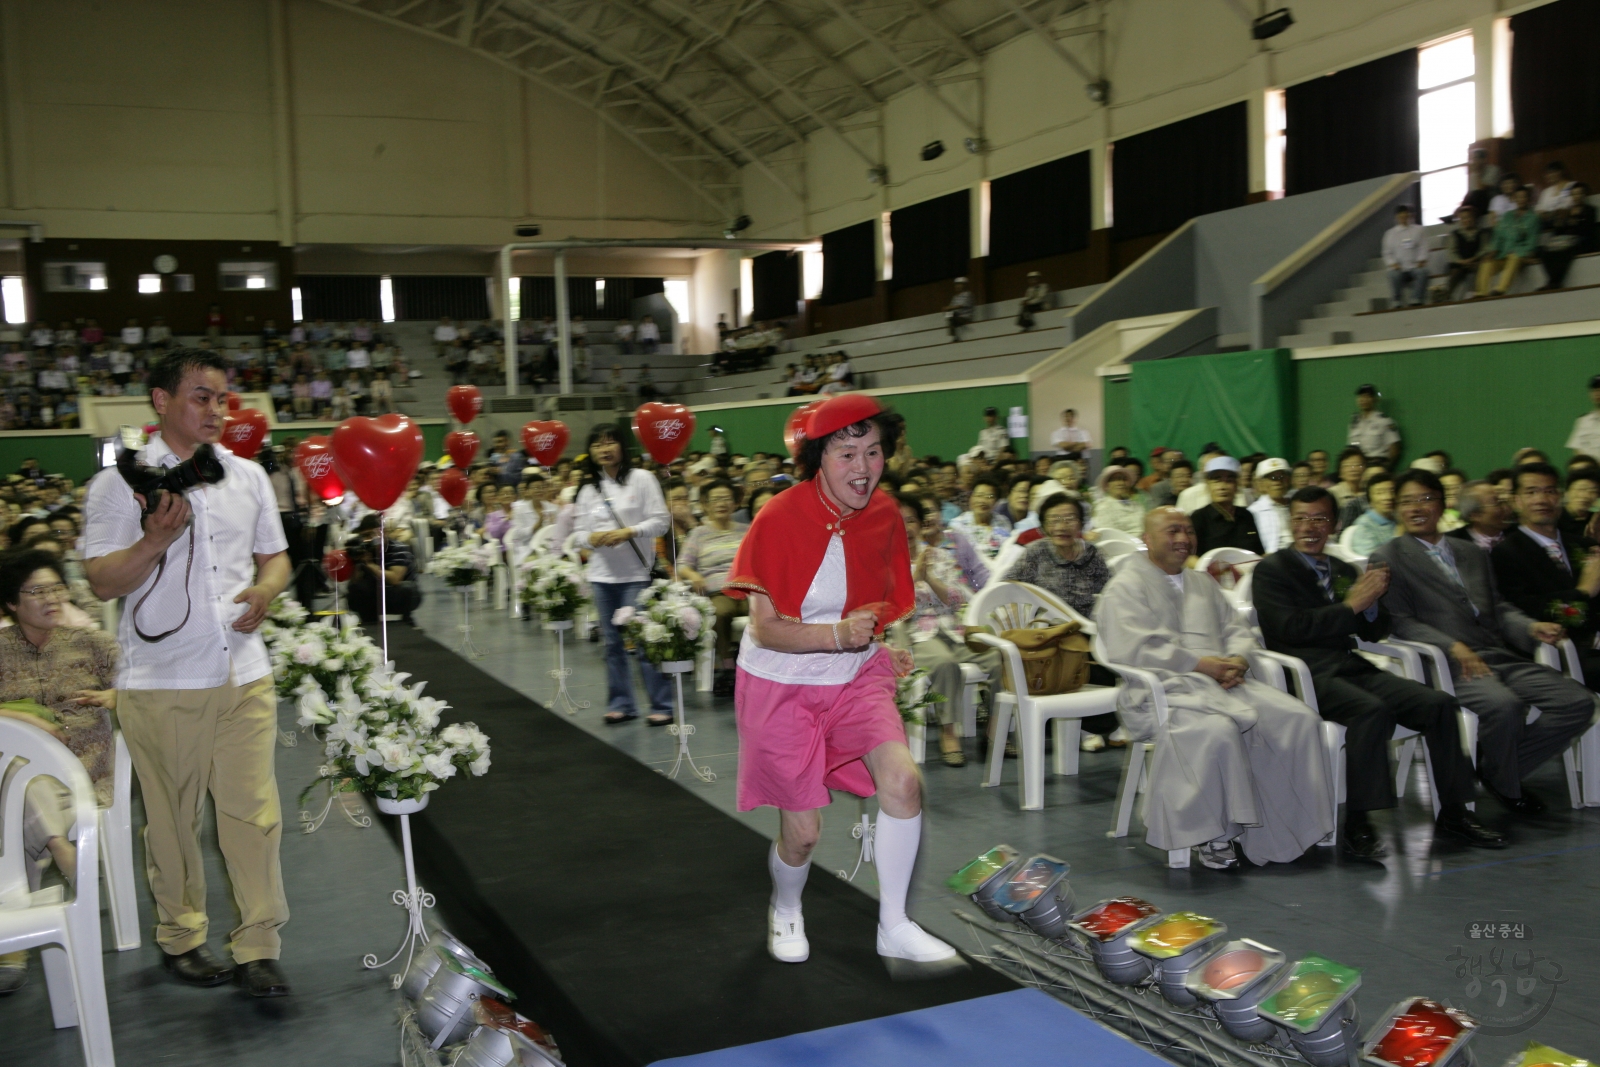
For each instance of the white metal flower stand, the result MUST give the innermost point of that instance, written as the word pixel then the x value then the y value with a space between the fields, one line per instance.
pixel 679 728
pixel 563 700
pixel 467 648
pixel 413 897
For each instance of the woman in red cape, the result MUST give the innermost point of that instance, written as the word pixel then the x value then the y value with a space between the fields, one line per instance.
pixel 826 569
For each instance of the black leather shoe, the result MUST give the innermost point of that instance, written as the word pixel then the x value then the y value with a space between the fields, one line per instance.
pixel 1362 843
pixel 198 966
pixel 262 978
pixel 1527 804
pixel 1462 826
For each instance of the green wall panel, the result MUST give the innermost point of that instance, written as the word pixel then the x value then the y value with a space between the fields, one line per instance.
pixel 1242 400
pixel 1480 403
pixel 942 422
pixel 68 454
pixel 1116 413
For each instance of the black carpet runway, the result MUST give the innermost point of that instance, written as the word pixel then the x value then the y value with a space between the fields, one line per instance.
pixel 627 914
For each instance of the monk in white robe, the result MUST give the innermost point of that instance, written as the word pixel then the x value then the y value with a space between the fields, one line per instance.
pixel 1237 760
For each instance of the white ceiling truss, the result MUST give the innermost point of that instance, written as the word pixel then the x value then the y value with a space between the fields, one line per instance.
pixel 706 87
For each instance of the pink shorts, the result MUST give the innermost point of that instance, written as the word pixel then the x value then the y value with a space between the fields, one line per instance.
pixel 798 741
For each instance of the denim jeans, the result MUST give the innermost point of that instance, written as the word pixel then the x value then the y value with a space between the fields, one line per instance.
pixel 608 597
pixel 1415 279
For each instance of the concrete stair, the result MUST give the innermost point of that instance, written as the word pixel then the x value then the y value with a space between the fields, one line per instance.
pixel 914 351
pixel 1352 315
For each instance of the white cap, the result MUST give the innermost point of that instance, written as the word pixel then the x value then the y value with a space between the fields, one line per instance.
pixel 1222 463
pixel 1272 466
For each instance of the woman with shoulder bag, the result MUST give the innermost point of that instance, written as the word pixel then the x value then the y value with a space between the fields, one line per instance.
pixel 618 515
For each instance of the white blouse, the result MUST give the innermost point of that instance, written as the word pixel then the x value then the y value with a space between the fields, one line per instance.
pixel 824 603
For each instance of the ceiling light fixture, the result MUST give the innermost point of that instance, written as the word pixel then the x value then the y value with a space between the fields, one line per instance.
pixel 932 150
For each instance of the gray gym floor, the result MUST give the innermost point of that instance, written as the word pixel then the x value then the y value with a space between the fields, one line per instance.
pixel 1405 923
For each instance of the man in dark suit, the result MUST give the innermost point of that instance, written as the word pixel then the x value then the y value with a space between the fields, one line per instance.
pixel 1314 607
pixel 1546 572
pixel 1442 592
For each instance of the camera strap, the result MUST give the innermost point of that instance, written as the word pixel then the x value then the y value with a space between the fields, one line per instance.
pixel 188 598
pixel 621 525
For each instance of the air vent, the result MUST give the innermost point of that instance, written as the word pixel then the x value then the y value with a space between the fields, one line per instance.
pixel 603 402
pixel 507 404
pixel 571 403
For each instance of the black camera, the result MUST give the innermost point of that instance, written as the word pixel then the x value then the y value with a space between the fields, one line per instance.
pixel 202 468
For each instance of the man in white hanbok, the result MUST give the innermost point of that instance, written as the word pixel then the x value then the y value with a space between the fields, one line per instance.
pixel 1238 761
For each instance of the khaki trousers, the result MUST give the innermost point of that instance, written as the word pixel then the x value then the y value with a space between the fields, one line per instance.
pixel 1507 269
pixel 185 743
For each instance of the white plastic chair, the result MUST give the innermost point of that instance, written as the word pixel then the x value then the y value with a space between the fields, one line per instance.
pixel 1241 560
pixel 1110 534
pixel 1114 549
pixel 116 851
pixel 1116 563
pixel 1144 686
pixel 1340 552
pixel 1347 540
pixel 67 932
pixel 1016 605
pixel 539 545
pixel 1582 759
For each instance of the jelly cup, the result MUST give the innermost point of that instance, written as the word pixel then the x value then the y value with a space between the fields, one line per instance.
pixel 1038 893
pixel 1105 927
pixel 1177 942
pixel 1418 1032
pixel 1233 979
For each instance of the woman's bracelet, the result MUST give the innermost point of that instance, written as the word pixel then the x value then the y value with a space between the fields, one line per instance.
pixel 834 629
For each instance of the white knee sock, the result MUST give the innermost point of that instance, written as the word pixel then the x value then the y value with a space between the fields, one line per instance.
pixel 894 847
pixel 787 882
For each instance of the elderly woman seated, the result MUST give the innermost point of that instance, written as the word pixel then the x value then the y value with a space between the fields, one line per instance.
pixel 933 633
pixel 59 679
pixel 1118 508
pixel 1072 570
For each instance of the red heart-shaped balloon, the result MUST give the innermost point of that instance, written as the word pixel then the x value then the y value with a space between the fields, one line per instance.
pixel 233 400
pixel 338 566
pixel 464 402
pixel 794 434
pixel 377 457
pixel 462 446
pixel 314 459
pixel 243 431
pixel 664 429
pixel 453 486
pixel 545 440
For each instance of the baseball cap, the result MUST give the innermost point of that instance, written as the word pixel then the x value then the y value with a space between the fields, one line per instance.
pixel 1272 466
pixel 1594 382
pixel 1222 465
pixel 1368 390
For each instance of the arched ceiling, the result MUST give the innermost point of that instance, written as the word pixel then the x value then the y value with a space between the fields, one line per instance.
pixel 708 86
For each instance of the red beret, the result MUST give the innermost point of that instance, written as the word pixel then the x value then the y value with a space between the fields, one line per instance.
pixel 840 411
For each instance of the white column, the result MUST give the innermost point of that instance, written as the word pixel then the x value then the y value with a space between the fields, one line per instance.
pixel 506 282
pixel 563 321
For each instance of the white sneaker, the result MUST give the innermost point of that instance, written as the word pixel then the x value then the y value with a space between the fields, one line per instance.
pixel 908 941
pixel 786 938
pixel 1091 743
pixel 1220 855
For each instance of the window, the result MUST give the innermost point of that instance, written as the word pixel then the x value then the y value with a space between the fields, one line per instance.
pixel 386 299
pixel 149 283
pixel 1276 123
pixel 888 247
pixel 60 277
pixel 15 296
pixel 747 290
pixel 676 291
pixel 247 274
pixel 516 300
pixel 600 291
pixel 1446 122
pixel 811 272
pixel 182 283
pixel 297 308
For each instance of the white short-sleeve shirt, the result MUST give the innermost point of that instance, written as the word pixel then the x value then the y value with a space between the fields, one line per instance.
pixel 824 603
pixel 233 521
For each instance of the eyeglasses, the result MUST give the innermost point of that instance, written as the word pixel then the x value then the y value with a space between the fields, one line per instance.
pixel 1316 522
pixel 1058 521
pixel 46 592
pixel 1407 501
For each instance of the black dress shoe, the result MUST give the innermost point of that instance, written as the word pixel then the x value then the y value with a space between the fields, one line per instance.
pixel 198 966
pixel 262 978
pixel 1362 843
pixel 1527 804
pixel 1462 826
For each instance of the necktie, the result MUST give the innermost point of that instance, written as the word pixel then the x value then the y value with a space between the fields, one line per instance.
pixel 1559 558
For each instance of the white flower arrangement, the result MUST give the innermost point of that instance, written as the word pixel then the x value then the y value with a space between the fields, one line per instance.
pixel 317 656
pixel 553 587
pixel 913 708
pixel 463 564
pixel 669 623
pixel 384 738
pixel 284 613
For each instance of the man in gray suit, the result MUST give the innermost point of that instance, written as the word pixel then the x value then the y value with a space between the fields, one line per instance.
pixel 1442 592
